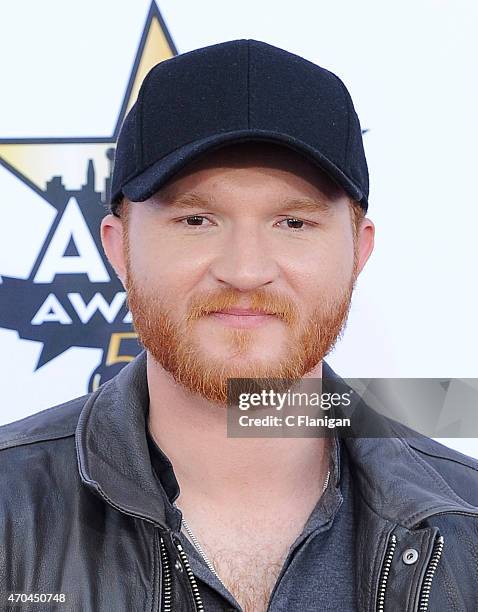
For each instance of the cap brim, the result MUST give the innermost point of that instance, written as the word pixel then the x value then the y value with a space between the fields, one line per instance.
pixel 143 186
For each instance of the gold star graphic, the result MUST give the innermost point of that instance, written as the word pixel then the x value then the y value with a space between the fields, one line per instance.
pixel 70 305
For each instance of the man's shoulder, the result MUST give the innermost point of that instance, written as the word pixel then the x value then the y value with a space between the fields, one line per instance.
pixel 432 450
pixel 460 471
pixel 39 478
pixel 53 423
pixel 435 452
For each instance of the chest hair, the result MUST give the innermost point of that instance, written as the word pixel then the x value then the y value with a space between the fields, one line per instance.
pixel 250 575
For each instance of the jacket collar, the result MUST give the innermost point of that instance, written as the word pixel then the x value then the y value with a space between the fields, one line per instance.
pixel 112 449
pixel 114 459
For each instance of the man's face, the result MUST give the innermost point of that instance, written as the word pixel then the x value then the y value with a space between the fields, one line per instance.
pixel 229 232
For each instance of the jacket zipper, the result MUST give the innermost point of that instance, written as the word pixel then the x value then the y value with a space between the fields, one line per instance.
pixel 190 575
pixel 166 580
pixel 391 546
pixel 425 588
pixel 429 574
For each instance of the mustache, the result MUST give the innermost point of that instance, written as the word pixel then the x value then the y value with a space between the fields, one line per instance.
pixel 269 302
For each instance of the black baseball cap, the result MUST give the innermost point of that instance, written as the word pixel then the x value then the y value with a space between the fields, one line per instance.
pixel 237 91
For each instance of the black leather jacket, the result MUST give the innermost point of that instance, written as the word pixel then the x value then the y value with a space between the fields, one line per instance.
pixel 81 514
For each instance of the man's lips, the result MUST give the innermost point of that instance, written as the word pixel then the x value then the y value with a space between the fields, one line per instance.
pixel 242 317
pixel 242 312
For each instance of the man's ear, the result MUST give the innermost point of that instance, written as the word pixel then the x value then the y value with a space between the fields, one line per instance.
pixel 112 240
pixel 366 237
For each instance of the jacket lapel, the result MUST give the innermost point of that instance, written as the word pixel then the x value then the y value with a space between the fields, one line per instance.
pixel 112 449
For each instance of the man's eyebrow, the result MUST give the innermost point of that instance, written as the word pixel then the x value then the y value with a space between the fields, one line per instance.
pixel 188 200
pixel 303 204
pixel 310 205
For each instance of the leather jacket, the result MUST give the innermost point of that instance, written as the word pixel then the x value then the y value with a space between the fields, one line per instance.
pixel 82 514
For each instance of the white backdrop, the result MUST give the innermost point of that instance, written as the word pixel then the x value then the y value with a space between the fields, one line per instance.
pixel 411 69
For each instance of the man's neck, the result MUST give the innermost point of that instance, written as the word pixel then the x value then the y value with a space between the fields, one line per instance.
pixel 191 431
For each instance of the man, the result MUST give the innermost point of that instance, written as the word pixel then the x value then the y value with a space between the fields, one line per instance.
pixel 238 229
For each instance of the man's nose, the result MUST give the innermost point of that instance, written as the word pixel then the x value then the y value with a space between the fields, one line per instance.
pixel 245 260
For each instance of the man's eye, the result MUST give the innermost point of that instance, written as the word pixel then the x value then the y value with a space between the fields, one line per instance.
pixel 293 223
pixel 196 220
